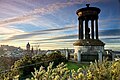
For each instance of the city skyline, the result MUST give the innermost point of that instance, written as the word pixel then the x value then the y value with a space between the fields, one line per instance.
pixel 53 24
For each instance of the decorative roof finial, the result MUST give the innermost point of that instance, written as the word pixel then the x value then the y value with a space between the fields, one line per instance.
pixel 87 5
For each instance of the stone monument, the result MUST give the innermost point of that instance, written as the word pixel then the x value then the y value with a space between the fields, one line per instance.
pixel 88 47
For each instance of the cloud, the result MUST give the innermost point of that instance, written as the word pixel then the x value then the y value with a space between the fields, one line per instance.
pixel 6 32
pixel 27 15
pixel 109 23
pixel 110 32
pixel 108 36
pixel 16 20
pixel 41 32
pixel 110 19
pixel 65 37
pixel 104 35
pixel 56 6
pixel 52 42
pixel 112 41
pixel 9 31
pixel 57 29
pixel 41 11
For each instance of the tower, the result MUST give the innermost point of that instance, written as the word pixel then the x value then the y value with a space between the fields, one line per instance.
pixel 88 47
pixel 28 47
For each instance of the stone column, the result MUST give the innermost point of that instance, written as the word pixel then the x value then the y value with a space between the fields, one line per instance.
pixel 75 56
pixel 92 29
pixel 79 56
pixel 100 56
pixel 86 28
pixel 96 22
pixel 66 54
pixel 80 29
pixel 113 56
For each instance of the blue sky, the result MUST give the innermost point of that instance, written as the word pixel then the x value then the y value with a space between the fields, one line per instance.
pixel 52 24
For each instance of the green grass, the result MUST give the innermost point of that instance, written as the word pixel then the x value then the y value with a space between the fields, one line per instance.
pixel 75 66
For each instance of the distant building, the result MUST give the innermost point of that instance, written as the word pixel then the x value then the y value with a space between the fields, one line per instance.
pixel 11 51
pixel 28 47
pixel 30 50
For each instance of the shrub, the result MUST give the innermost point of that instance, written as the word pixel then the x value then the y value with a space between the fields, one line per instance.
pixel 96 71
pixel 57 58
pixel 106 70
pixel 26 65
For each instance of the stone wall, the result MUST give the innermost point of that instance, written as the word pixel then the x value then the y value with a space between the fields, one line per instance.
pixel 88 50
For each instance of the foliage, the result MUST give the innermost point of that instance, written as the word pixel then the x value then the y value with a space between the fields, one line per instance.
pixel 54 55
pixel 26 65
pixel 19 68
pixel 1 51
pixel 106 70
pixel 96 71
pixel 6 63
pixel 57 58
pixel 50 73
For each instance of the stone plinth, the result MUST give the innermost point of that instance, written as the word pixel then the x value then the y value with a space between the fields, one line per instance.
pixel 90 48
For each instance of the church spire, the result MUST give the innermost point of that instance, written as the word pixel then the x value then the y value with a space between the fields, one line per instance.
pixel 28 46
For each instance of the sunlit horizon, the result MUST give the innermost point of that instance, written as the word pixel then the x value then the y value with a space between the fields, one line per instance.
pixel 53 24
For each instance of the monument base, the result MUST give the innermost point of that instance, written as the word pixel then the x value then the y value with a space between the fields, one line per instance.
pixel 88 50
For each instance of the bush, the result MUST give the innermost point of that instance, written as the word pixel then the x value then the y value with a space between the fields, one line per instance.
pixel 26 65
pixel 20 68
pixel 96 71
pixel 106 70
pixel 57 58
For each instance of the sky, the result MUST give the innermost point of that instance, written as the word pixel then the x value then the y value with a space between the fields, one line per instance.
pixel 53 24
